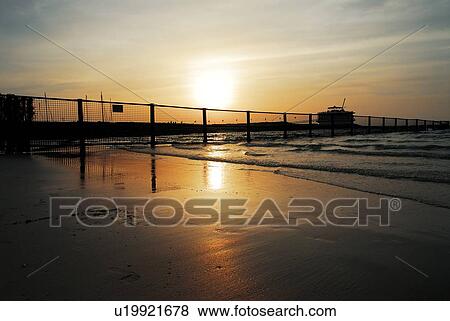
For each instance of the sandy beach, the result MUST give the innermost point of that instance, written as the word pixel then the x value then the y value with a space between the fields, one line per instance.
pixel 209 262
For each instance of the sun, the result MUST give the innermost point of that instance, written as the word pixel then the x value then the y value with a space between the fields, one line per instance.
pixel 214 88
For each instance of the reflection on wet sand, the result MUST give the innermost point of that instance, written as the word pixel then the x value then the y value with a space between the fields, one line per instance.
pixel 114 166
pixel 205 262
pixel 153 174
pixel 82 159
pixel 208 256
pixel 95 162
pixel 215 175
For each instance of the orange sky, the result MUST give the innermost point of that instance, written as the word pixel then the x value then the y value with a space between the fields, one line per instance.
pixel 262 55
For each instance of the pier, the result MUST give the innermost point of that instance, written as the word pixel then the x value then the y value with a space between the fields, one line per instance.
pixel 32 121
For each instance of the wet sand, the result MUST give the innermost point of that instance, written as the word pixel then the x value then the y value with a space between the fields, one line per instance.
pixel 210 262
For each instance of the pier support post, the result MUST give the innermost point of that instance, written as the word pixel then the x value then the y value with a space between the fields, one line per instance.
pixel 80 111
pixel 384 124
pixel 81 137
pixel 80 121
pixel 205 122
pixel 432 125
pixel 332 125
pixel 369 123
pixel 417 125
pixel 285 135
pixel 406 124
pixel 310 125
pixel 395 123
pixel 248 127
pixel 152 126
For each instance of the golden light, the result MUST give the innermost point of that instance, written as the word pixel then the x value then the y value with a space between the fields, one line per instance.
pixel 214 88
pixel 215 175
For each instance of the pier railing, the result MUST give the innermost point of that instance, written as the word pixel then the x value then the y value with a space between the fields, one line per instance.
pixel 72 118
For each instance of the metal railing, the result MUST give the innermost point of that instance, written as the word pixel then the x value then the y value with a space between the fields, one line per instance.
pixel 93 118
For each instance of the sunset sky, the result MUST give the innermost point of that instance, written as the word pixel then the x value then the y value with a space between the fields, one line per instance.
pixel 251 54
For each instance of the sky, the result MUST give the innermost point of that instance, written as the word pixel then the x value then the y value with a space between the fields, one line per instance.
pixel 246 54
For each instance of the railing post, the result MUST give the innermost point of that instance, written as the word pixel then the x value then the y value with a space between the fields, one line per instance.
pixel 369 121
pixel 310 125
pixel 205 132
pixel 248 127
pixel 80 111
pixel 152 126
pixel 384 124
pixel 285 135
pixel 417 125
pixel 332 125
pixel 81 136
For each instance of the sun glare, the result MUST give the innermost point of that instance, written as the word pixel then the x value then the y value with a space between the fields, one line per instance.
pixel 214 89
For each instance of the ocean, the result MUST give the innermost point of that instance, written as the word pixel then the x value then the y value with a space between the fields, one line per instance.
pixel 409 165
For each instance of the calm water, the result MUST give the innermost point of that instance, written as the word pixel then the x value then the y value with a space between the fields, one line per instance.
pixel 409 165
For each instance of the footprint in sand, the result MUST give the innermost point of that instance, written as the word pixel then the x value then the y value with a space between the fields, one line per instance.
pixel 124 275
pixel 231 230
pixel 321 239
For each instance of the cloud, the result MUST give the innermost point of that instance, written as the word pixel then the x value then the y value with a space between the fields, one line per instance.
pixel 275 44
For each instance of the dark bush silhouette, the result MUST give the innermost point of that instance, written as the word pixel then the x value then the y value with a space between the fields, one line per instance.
pixel 16 109
pixel 16 115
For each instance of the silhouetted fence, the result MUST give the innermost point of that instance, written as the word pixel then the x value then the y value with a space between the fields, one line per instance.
pixel 50 118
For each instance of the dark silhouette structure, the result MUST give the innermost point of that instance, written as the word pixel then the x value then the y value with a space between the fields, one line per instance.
pixel 37 121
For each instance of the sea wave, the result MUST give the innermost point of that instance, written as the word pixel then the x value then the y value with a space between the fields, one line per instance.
pixel 427 193
pixel 415 163
pixel 412 174
pixel 391 153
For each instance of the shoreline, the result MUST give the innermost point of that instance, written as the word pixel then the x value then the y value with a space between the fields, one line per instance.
pixel 211 262
pixel 282 169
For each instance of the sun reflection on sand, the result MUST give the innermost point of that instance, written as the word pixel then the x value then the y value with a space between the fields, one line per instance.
pixel 215 175
pixel 215 170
